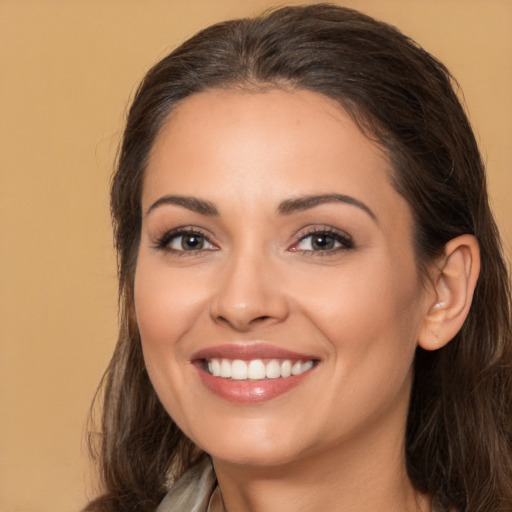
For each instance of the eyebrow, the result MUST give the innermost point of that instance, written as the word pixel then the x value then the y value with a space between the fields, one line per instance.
pixel 191 203
pixel 302 203
pixel 287 207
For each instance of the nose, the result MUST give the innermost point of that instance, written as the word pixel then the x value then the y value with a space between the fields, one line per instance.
pixel 249 295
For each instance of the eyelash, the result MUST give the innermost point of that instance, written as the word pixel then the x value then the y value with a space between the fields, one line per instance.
pixel 345 241
pixel 164 242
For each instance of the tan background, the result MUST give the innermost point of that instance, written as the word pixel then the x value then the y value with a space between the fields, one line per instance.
pixel 67 69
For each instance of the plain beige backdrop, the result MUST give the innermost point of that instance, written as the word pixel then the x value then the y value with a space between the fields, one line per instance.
pixel 67 70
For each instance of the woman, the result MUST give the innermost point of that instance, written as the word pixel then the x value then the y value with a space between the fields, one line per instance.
pixel 315 306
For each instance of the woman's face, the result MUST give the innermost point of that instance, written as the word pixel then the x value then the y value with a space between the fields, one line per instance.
pixel 274 249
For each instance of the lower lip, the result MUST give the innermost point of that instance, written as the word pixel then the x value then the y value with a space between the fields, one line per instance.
pixel 250 391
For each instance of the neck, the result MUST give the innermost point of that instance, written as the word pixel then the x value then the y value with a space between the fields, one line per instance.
pixel 321 484
pixel 367 473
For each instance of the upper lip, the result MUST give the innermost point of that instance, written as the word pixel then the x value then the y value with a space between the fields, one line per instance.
pixel 249 351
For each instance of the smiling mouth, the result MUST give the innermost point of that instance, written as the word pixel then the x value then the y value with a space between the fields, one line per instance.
pixel 256 369
pixel 252 373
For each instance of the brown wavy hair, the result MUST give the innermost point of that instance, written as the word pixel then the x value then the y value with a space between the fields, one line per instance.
pixel 459 429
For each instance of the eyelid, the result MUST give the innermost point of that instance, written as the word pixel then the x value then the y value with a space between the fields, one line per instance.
pixel 340 236
pixel 163 241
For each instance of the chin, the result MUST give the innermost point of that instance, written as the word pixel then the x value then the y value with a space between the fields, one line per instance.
pixel 254 442
pixel 254 456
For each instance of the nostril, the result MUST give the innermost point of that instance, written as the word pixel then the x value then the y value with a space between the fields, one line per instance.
pixel 248 310
pixel 260 319
pixel 244 324
pixel 222 320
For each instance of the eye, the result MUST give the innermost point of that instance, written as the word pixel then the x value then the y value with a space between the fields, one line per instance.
pixel 185 240
pixel 325 240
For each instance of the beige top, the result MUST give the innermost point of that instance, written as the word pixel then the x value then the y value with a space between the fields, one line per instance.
pixel 195 491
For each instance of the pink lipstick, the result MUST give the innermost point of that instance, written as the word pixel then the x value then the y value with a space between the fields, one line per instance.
pixel 249 373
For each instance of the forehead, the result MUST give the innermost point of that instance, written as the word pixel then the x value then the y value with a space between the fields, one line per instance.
pixel 258 147
pixel 250 117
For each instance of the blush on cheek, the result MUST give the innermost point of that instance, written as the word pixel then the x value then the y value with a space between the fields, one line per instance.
pixel 165 313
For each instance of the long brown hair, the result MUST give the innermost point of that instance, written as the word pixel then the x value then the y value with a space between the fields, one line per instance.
pixel 459 430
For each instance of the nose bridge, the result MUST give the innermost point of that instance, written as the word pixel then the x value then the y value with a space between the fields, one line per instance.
pixel 248 291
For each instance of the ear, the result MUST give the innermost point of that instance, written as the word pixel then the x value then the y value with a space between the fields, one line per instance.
pixel 454 279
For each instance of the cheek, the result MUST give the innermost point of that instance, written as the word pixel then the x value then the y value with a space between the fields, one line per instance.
pixel 380 295
pixel 165 311
pixel 166 306
pixel 370 317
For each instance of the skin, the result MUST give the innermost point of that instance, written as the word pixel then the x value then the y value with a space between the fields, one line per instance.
pixel 336 441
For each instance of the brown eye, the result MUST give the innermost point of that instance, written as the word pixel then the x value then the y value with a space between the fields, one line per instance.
pixel 318 242
pixel 321 240
pixel 185 241
pixel 191 242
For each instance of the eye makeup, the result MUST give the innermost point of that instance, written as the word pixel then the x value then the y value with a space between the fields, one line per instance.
pixel 184 240
pixel 322 241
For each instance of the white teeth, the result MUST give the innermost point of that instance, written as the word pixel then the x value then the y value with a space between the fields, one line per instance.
pixel 273 369
pixel 215 370
pixel 225 369
pixel 256 369
pixel 306 366
pixel 286 368
pixel 296 368
pixel 238 369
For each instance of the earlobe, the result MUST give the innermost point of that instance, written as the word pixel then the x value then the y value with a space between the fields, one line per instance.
pixel 454 279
